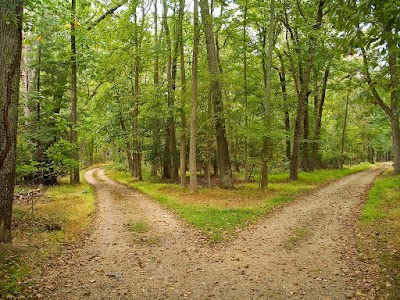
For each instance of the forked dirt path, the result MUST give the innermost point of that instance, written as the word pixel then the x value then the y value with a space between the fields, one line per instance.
pixel 301 251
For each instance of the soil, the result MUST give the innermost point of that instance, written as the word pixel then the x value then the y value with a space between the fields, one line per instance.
pixel 304 250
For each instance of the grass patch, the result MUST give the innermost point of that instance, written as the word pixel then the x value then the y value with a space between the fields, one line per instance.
pixel 380 232
pixel 297 237
pixel 219 213
pixel 139 227
pixel 142 234
pixel 61 216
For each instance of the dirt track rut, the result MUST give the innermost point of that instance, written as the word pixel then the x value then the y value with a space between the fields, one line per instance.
pixel 299 252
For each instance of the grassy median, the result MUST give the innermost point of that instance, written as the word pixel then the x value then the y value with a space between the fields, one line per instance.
pixel 219 213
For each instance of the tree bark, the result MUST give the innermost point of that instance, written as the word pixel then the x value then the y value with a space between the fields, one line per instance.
pixel 182 155
pixel 318 111
pixel 137 153
pixel 303 93
pixel 392 110
pixel 171 77
pixel 10 62
pixel 286 119
pixel 156 139
pixel 343 138
pixel 306 136
pixel 193 113
pixel 245 92
pixel 267 147
pixel 224 163
pixel 74 114
pixel 127 143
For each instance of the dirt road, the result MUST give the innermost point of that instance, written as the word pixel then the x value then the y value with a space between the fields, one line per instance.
pixel 303 251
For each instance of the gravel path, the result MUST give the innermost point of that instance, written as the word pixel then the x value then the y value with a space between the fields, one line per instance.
pixel 298 252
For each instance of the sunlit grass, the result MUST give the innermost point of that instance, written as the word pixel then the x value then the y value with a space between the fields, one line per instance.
pixel 380 227
pixel 219 213
pixel 60 216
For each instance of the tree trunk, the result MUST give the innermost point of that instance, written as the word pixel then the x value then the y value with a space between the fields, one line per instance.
pixel 306 136
pixel 394 121
pixel 343 138
pixel 74 114
pixel 391 110
pixel 224 163
pixel 393 54
pixel 267 147
pixel 126 138
pixel 156 139
pixel 171 77
pixel 286 119
pixel 318 110
pixel 193 114
pixel 137 153
pixel 294 162
pixel 245 92
pixel 10 62
pixel 182 156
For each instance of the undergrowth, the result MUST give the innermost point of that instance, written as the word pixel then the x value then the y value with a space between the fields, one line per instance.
pixel 380 228
pixel 219 213
pixel 59 217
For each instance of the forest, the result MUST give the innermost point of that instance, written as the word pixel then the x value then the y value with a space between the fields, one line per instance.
pixel 195 93
pixel 220 88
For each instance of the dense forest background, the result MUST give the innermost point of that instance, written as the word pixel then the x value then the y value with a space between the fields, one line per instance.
pixel 247 87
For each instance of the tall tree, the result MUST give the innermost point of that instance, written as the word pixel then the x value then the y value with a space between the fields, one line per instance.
pixel 183 92
pixel 245 90
pixel 223 159
pixel 319 100
pixel 373 27
pixel 171 157
pixel 267 64
pixel 302 77
pixel 74 93
pixel 193 113
pixel 10 61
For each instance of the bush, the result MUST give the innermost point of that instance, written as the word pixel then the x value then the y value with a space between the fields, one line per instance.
pixel 60 157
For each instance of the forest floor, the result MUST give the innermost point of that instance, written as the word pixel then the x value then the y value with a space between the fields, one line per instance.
pixel 139 250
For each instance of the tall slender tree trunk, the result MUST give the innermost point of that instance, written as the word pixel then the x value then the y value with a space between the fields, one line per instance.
pixel 137 153
pixel 306 137
pixel 318 111
pixel 343 138
pixel 245 92
pixel 10 62
pixel 74 114
pixel 193 113
pixel 267 147
pixel 171 77
pixel 183 94
pixel 303 93
pixel 286 119
pixel 393 55
pixel 156 81
pixel 224 162
pixel 392 109
pixel 129 156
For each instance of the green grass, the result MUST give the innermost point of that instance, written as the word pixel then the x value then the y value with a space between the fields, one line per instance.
pixel 220 213
pixel 297 237
pixel 69 208
pixel 139 227
pixel 380 228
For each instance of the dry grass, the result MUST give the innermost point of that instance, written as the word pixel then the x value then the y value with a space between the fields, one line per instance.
pixel 61 216
pixel 241 197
